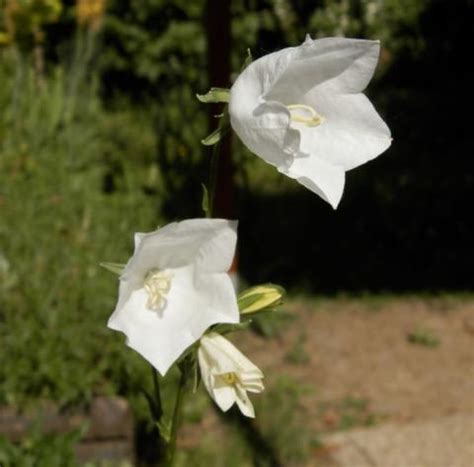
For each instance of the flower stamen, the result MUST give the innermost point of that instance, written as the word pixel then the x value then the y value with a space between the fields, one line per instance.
pixel 305 114
pixel 157 285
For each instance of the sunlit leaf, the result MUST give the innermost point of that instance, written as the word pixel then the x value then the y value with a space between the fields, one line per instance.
pixel 214 95
pixel 215 136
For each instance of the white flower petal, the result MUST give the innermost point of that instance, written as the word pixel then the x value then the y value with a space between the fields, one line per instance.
pixel 199 294
pixel 224 397
pixel 252 383
pixel 339 128
pixel 352 134
pixel 205 365
pixel 218 362
pixel 266 132
pixel 193 304
pixel 227 357
pixel 257 80
pixel 222 394
pixel 209 243
pixel 137 238
pixel 227 374
pixel 333 65
pixel 243 401
pixel 326 180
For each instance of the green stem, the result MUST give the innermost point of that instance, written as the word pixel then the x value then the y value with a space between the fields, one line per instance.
pixel 170 452
pixel 157 395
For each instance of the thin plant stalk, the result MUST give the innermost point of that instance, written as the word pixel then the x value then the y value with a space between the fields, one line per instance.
pixel 157 394
pixel 171 450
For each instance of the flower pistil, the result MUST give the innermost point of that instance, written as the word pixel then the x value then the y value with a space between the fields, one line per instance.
pixel 305 114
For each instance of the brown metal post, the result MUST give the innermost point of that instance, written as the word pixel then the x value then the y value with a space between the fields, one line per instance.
pixel 218 59
pixel 218 32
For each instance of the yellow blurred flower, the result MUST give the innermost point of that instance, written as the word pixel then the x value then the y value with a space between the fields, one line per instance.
pixel 89 13
pixel 4 38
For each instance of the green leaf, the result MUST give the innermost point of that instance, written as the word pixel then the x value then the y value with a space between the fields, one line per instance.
pixel 215 95
pixel 215 136
pixel 165 430
pixel 116 268
pixel 260 297
pixel 205 200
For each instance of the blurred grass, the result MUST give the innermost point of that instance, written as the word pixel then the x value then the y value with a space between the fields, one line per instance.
pixel 62 212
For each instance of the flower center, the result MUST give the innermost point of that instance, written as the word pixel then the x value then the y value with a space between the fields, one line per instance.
pixel 305 114
pixel 229 378
pixel 157 284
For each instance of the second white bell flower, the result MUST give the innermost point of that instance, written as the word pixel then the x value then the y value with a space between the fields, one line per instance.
pixel 175 286
pixel 302 110
pixel 228 374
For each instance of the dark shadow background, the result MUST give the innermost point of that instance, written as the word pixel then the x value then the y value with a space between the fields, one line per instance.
pixel 405 222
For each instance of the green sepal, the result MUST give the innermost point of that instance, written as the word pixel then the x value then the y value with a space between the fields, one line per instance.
pixel 214 96
pixel 215 136
pixel 259 298
pixel 116 268
pixel 165 430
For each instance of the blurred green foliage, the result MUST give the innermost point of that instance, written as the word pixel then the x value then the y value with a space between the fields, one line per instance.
pixel 38 450
pixel 71 194
pixel 24 20
pixel 282 419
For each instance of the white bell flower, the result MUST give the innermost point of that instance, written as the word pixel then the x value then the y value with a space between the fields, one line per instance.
pixel 301 109
pixel 228 374
pixel 175 286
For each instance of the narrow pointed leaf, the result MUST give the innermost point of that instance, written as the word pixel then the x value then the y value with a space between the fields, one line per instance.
pixel 205 200
pixel 214 95
pixel 116 268
pixel 215 136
